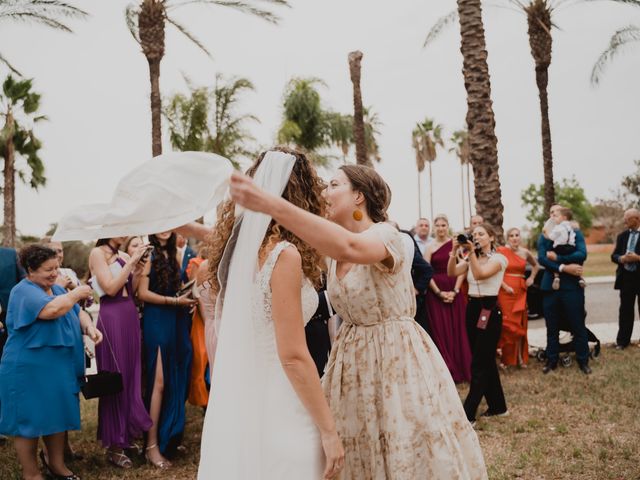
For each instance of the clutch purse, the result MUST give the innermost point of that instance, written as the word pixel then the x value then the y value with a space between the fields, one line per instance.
pixel 102 384
pixel 105 382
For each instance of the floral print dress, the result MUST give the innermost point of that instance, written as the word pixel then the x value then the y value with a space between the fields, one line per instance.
pixel 397 410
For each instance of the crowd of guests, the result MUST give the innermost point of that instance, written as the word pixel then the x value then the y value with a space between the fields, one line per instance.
pixel 471 298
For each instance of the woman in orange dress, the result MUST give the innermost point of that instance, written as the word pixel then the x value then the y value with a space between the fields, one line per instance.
pixel 198 388
pixel 513 301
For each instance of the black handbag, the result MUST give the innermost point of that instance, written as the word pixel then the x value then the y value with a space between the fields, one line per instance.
pixel 103 383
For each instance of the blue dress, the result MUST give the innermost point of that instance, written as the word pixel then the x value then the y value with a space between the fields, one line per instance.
pixel 42 366
pixel 162 331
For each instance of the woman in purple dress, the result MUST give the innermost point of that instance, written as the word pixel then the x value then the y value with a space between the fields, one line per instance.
pixel 446 306
pixel 121 417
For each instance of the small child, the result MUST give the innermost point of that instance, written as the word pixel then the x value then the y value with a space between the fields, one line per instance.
pixel 564 239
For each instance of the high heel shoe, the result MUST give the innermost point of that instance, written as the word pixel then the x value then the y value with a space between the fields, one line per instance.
pixel 162 464
pixel 54 475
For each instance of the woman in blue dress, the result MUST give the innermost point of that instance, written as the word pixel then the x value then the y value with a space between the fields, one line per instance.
pixel 167 379
pixel 43 363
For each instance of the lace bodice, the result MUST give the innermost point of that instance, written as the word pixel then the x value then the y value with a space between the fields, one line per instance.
pixel 262 306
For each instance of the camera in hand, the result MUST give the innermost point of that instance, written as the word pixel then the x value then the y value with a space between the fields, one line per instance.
pixel 464 238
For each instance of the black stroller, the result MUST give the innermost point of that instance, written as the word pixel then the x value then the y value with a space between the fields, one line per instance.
pixel 567 345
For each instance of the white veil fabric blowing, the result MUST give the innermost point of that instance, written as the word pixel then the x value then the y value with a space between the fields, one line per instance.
pixel 233 433
pixel 160 194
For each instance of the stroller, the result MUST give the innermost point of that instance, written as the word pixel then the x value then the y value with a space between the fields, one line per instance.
pixel 567 345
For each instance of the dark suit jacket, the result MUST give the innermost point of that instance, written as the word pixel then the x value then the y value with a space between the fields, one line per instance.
pixel 421 270
pixel 567 282
pixel 10 274
pixel 623 277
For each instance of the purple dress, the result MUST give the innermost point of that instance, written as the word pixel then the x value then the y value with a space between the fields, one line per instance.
pixel 447 320
pixel 121 417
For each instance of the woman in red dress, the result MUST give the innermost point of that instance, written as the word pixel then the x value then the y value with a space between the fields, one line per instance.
pixel 513 301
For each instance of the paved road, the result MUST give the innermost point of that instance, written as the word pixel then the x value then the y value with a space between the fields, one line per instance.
pixel 602 303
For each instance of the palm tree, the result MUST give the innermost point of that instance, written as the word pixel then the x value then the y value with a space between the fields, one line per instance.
pixel 147 21
pixel 206 121
pixel 50 13
pixel 426 136
pixel 306 124
pixel 355 59
pixel 460 141
pixel 19 105
pixel 341 133
pixel 483 144
pixel 618 41
pixel 539 15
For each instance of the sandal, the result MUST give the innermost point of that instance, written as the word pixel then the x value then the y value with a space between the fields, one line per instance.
pixel 119 459
pixel 162 464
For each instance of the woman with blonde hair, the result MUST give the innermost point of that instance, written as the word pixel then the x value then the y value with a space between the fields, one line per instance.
pixel 513 346
pixel 446 305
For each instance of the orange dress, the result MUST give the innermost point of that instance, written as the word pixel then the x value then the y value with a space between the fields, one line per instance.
pixel 198 392
pixel 514 310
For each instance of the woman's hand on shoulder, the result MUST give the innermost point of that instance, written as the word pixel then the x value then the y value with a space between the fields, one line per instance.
pixel 334 453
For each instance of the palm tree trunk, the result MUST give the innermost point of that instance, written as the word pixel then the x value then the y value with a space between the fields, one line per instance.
pixel 156 108
pixel 540 41
pixel 430 193
pixel 483 143
pixel 542 77
pixel 358 112
pixel 152 38
pixel 9 233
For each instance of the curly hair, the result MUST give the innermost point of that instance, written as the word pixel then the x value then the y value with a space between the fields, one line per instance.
pixel 165 266
pixel 31 257
pixel 303 190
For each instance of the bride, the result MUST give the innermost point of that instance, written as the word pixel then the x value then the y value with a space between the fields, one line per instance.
pixel 267 417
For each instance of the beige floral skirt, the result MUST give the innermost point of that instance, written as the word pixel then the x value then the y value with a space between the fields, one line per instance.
pixel 396 407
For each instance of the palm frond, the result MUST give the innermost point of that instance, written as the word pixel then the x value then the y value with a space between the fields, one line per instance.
pixel 45 12
pixel 131 16
pixel 182 29
pixel 244 7
pixel 619 39
pixel 439 27
pixel 8 64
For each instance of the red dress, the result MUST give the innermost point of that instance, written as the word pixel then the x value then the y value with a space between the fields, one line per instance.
pixel 514 310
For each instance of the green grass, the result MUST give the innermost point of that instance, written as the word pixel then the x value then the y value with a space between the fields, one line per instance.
pixel 599 264
pixel 564 425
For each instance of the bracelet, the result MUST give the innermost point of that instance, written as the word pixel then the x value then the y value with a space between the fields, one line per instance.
pixel 456 290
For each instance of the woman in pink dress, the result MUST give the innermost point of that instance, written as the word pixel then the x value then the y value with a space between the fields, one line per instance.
pixel 446 306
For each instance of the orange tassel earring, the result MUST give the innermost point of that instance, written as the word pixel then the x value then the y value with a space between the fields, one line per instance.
pixel 357 215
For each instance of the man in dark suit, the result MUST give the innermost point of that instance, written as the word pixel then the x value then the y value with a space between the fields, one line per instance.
pixel 567 301
pixel 421 274
pixel 627 256
pixel 10 274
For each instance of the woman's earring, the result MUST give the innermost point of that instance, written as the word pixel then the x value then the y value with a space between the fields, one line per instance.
pixel 357 215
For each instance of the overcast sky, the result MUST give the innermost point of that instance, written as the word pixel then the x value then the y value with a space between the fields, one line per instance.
pixel 95 91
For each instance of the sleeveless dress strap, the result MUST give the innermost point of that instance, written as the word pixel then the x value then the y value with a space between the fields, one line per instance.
pixel 272 258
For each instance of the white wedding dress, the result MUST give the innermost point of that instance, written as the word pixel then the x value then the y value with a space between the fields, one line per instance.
pixel 290 446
